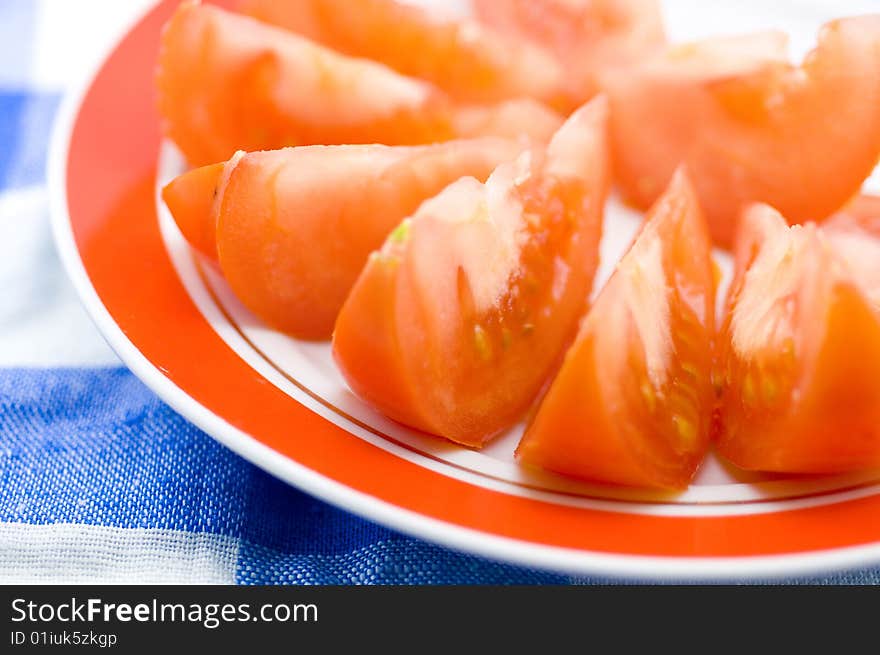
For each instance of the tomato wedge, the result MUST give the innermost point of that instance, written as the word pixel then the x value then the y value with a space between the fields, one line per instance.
pixel 193 200
pixel 588 37
pixel 468 61
pixel 750 126
pixel 457 322
pixel 633 401
pixel 293 227
pixel 228 82
pixel 800 349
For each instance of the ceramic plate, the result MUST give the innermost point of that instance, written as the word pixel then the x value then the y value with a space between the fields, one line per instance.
pixel 282 404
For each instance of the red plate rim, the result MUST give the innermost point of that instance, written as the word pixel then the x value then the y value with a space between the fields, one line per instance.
pixel 101 178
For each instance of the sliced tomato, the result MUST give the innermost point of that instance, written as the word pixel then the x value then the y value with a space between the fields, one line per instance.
pixel 799 350
pixel 470 62
pixel 750 126
pixel 293 227
pixel 588 37
pixel 228 82
pixel 633 401
pixel 456 323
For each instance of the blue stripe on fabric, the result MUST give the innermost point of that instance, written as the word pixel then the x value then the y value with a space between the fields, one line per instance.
pixel 308 526
pixel 95 446
pixel 290 538
pixel 25 128
pixel 397 560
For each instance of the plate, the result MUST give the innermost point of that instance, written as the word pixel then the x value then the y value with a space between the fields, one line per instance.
pixel 281 403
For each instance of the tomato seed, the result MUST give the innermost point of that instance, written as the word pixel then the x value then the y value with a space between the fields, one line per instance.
pixel 482 343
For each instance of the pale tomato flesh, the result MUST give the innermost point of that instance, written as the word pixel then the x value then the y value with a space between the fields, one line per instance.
pixel 799 350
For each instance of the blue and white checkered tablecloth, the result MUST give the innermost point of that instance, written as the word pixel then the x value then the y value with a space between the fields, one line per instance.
pixel 99 480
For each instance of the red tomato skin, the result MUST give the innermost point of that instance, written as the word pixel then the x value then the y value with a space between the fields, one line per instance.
pixel 370 355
